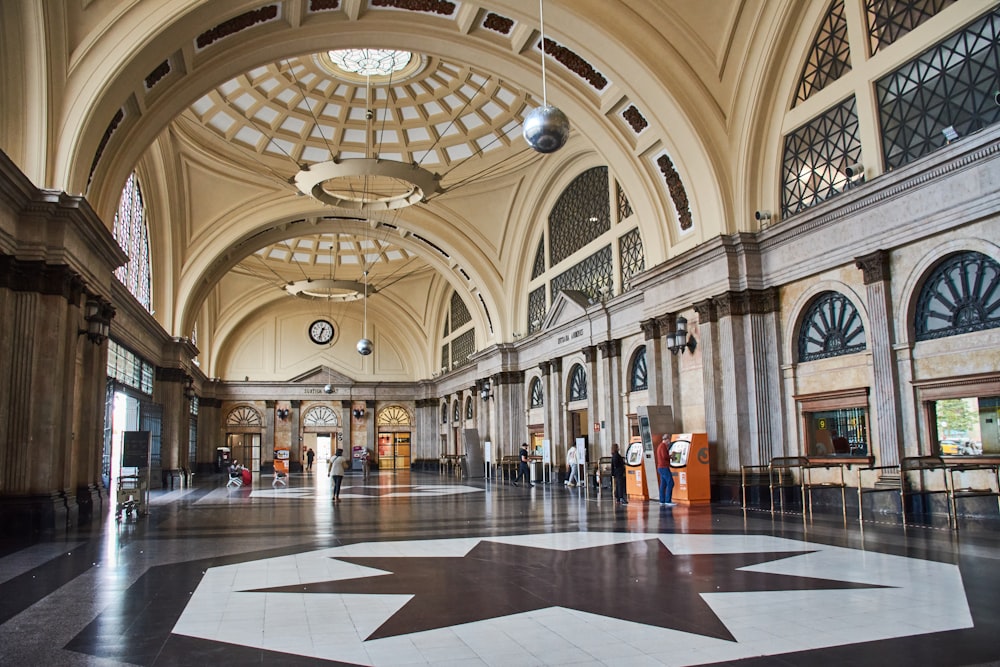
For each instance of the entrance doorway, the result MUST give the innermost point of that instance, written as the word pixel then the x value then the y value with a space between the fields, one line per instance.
pixel 245 448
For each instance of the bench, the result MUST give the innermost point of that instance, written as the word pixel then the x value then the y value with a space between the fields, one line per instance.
pixel 917 475
pixel 839 464
pixel 958 468
pixel 780 475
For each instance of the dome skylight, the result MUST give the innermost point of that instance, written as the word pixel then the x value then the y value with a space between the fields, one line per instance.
pixel 370 62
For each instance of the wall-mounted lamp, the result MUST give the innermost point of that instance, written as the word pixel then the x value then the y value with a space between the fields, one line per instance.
pixel 679 340
pixel 282 414
pixel 98 319
pixel 189 392
pixel 486 390
pixel 949 133
pixel 358 413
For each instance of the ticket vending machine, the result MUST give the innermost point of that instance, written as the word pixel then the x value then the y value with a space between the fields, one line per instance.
pixel 654 421
pixel 689 465
pixel 635 475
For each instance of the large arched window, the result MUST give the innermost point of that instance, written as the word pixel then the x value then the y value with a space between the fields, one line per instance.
pixel 577 383
pixel 321 415
pixel 962 294
pixel 830 327
pixel 537 395
pixel 637 375
pixel 132 235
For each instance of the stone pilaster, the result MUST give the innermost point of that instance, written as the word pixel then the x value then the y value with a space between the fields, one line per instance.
pixel 885 390
pixel 654 360
pixel 610 394
pixel 708 345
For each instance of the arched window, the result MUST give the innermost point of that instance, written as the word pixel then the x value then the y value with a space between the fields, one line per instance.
pixel 321 415
pixel 537 396
pixel 577 383
pixel 444 413
pixel 468 407
pixel 393 415
pixel 961 295
pixel 637 376
pixel 830 327
pixel 455 411
pixel 244 415
pixel 131 233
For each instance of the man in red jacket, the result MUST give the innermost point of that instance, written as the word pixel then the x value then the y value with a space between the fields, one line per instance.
pixel 663 470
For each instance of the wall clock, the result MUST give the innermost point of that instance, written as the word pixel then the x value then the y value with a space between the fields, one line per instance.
pixel 321 332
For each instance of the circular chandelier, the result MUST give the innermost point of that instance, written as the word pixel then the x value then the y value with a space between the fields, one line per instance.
pixel 328 290
pixel 367 184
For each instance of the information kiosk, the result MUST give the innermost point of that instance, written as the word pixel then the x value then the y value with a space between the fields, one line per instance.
pixel 654 421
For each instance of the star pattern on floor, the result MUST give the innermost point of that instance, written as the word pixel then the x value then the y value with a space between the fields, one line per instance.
pixel 495 579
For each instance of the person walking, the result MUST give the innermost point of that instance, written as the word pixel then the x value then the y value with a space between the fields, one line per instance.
pixel 573 470
pixel 618 474
pixel 663 470
pixel 338 466
pixel 366 464
pixel 310 455
pixel 522 467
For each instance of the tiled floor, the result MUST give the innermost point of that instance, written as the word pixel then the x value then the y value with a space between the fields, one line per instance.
pixel 415 569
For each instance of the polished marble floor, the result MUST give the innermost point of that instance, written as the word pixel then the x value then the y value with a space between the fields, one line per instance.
pixel 419 569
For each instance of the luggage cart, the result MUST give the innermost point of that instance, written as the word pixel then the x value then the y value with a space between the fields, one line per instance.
pixel 131 490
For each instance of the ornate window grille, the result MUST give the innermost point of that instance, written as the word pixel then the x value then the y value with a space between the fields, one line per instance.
pixel 444 413
pixel 830 327
pixel 537 395
pixel 961 295
pixel 577 383
pixel 637 377
pixel 455 414
pixel 244 415
pixel 888 20
pixel 624 207
pixel 816 158
pixel 321 415
pixel 444 357
pixel 632 257
pixel 589 276
pixel 949 85
pixel 580 215
pixel 462 348
pixel 830 55
pixel 133 236
pixel 468 408
pixel 396 415
pixel 536 308
pixel 459 312
pixel 539 265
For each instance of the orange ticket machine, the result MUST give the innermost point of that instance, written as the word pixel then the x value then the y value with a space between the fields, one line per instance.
pixel 689 465
pixel 635 482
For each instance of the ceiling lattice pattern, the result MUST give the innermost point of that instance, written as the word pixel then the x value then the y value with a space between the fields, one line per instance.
pixel 300 111
pixel 830 55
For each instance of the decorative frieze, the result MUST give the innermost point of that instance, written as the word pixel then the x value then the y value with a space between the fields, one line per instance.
pixel 677 192
pixel 429 6
pixel 635 119
pixel 323 5
pixel 497 23
pixel 157 74
pixel 237 24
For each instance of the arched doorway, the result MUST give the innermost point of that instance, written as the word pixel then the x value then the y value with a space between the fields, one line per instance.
pixel 394 426
pixel 321 432
pixel 243 427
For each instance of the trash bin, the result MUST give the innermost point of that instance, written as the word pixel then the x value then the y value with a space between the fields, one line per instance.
pixel 537 471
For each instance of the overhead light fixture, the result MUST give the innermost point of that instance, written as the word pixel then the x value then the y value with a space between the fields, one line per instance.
pixel 328 289
pixel 545 128
pixel 365 345
pixel 679 339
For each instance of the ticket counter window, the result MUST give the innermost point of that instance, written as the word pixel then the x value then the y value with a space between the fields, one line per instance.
pixel 842 432
pixel 967 426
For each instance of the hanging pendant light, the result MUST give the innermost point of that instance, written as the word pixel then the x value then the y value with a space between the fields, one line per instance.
pixel 545 128
pixel 365 345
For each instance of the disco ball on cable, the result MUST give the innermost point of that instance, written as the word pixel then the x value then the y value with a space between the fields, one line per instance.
pixel 546 129
pixel 364 347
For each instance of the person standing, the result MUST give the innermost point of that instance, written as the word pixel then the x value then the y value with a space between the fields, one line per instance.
pixel 338 466
pixel 522 467
pixel 366 463
pixel 618 474
pixel 573 471
pixel 310 455
pixel 663 470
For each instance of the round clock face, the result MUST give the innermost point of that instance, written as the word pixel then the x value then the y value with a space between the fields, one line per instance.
pixel 321 332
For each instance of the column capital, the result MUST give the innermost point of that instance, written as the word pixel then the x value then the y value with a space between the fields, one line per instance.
pixel 590 353
pixel 610 348
pixel 650 328
pixel 707 311
pixel 874 266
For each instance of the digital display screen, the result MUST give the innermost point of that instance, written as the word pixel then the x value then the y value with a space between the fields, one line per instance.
pixel 647 437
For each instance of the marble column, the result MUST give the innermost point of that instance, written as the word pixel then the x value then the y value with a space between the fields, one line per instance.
pixel 593 399
pixel 708 345
pixel 885 390
pixel 654 361
pixel 610 391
